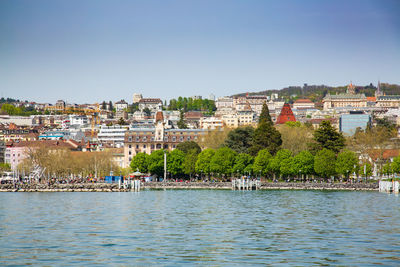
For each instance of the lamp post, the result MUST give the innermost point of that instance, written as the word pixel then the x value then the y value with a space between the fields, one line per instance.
pixel 165 165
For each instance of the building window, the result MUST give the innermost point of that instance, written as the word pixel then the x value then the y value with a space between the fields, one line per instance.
pixel 137 138
pixel 144 146
pixel 181 139
pixel 166 139
pixel 173 138
pixel 130 146
pixel 137 146
pixel 130 139
pixel 130 152
pixel 152 146
pixel 144 138
pixel 188 138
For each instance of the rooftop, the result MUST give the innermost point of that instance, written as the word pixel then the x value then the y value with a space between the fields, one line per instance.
pixel 345 96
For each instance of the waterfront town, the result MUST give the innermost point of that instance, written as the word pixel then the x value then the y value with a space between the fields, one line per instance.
pixel 217 137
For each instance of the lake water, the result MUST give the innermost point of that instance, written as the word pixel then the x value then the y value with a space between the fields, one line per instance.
pixel 200 227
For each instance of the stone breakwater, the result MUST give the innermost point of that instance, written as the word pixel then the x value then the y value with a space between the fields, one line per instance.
pixel 103 187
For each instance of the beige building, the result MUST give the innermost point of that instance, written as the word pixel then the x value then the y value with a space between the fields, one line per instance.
pixel 349 99
pixel 303 104
pixel 211 123
pixel 224 102
pixel 254 102
pixel 344 100
pixel 150 139
pixel 136 98
pixel 388 101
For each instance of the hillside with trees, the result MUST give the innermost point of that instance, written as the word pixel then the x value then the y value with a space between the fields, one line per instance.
pixel 317 92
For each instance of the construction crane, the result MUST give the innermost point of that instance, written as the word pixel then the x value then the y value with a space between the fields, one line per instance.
pixel 95 118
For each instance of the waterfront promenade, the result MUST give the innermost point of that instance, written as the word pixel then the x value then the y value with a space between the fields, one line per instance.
pixel 106 187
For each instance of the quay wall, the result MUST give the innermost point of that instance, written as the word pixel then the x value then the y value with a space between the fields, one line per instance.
pixel 105 187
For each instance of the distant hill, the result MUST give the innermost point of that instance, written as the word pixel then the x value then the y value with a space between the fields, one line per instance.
pixel 317 92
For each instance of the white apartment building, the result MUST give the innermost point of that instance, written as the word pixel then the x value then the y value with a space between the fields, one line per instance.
pixel 154 104
pixel 121 105
pixel 78 120
pixel 230 120
pixel 211 123
pixel 112 134
pixel 224 102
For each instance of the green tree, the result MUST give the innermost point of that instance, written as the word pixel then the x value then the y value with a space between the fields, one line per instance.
pixel 9 109
pixel 346 163
pixel 175 161
pixel 182 123
pixel 261 162
pixel 5 167
pixel 266 137
pixel 286 167
pixel 396 165
pixel 303 163
pixel 276 162
pixel 121 121
pixel 147 111
pixel 110 106
pixel 103 105
pixel 367 167
pixel 387 169
pixel 140 162
pixel 188 146
pixel 156 162
pixel 324 163
pixel 242 161
pixel 223 160
pixel 295 136
pixel 240 139
pixel 328 137
pixel 189 164
pixel 203 163
pixel 265 116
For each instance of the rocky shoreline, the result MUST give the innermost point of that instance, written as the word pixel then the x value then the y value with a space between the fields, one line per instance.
pixel 105 187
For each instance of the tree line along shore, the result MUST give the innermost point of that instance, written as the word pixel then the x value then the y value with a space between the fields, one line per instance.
pixel 289 152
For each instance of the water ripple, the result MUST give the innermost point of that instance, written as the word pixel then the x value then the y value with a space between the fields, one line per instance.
pixel 200 227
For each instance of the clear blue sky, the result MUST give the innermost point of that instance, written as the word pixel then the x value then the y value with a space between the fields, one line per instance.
pixel 89 51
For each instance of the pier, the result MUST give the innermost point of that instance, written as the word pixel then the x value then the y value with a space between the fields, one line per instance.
pixel 132 185
pixel 389 186
pixel 245 184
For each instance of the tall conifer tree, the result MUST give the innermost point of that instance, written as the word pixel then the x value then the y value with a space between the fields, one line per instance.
pixel 265 135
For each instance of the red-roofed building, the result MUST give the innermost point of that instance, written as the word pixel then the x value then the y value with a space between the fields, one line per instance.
pixel 285 115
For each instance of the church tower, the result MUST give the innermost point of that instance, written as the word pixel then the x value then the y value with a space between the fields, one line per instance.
pixel 351 89
pixel 159 135
pixel 378 90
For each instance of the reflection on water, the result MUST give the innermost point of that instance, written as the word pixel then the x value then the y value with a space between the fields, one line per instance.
pixel 208 227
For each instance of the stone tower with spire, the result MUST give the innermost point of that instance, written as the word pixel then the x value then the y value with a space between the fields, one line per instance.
pixel 378 91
